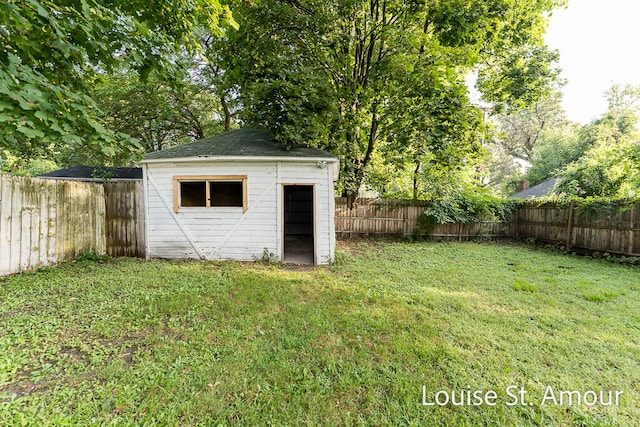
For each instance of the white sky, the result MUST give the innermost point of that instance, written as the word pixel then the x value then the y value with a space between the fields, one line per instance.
pixel 599 44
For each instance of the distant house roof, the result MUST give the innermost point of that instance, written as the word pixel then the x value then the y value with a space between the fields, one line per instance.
pixel 90 173
pixel 246 142
pixel 541 190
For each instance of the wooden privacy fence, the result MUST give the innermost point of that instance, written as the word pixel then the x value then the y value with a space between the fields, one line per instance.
pixel 43 221
pixel 375 217
pixel 614 230
pixel 124 218
pixel 387 217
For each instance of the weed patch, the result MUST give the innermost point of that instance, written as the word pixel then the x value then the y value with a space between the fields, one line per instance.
pixel 523 285
pixel 599 296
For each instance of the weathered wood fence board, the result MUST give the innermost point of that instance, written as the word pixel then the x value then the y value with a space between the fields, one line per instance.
pixel 547 222
pixel 465 232
pixel 617 231
pixel 44 221
pixel 386 217
pixel 124 221
pixel 372 217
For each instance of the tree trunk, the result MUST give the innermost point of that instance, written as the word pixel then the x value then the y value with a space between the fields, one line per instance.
pixel 227 113
pixel 360 166
pixel 415 179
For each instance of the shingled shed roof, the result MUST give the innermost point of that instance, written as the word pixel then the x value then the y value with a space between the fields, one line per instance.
pixel 90 173
pixel 247 142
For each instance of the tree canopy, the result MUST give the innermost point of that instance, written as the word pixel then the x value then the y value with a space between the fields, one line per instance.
pixel 600 159
pixel 538 136
pixel 361 76
pixel 610 165
pixel 380 83
pixel 159 114
pixel 52 53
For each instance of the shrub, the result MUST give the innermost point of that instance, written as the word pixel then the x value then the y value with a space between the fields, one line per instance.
pixel 467 207
pixel 93 257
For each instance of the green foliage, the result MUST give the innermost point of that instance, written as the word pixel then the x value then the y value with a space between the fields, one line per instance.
pixel 366 76
pixel 599 159
pixel 606 170
pixel 521 132
pixel 267 257
pixel 53 50
pixel 341 257
pixel 558 149
pixel 602 207
pixel 93 257
pixel 157 113
pixel 624 102
pixel 452 196
pixel 23 166
pixel 606 156
pixel 518 78
pixel 539 135
pixel 470 206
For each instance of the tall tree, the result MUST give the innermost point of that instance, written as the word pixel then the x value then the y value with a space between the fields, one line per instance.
pixel 606 170
pixel 623 102
pixel 557 148
pixel 611 160
pixel 352 76
pixel 156 112
pixel 50 52
pixel 520 132
pixel 538 137
pixel 211 75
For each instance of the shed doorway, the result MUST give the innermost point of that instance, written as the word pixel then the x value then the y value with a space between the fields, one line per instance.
pixel 299 236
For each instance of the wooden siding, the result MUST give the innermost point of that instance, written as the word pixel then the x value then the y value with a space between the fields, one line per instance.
pixel 45 221
pixel 124 218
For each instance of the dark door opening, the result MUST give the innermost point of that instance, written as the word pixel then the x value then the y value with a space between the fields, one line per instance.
pixel 298 224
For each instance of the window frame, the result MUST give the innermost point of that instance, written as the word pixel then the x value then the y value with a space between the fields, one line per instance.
pixel 207 179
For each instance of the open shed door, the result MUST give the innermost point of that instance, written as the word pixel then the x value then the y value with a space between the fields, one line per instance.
pixel 299 230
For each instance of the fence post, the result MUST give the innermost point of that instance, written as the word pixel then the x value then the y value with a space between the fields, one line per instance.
pixel 405 225
pixel 569 228
pixel 631 243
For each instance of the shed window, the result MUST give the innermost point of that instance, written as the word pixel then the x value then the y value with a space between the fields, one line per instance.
pixel 226 193
pixel 210 191
pixel 193 193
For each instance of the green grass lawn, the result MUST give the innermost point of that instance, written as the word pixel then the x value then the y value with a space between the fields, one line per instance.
pixel 364 342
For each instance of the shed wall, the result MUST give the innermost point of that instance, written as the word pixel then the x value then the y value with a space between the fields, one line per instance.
pixel 229 232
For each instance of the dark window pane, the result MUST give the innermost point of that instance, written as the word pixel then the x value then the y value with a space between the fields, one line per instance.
pixel 226 193
pixel 193 194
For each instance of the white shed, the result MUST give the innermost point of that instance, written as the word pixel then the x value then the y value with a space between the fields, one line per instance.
pixel 240 196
